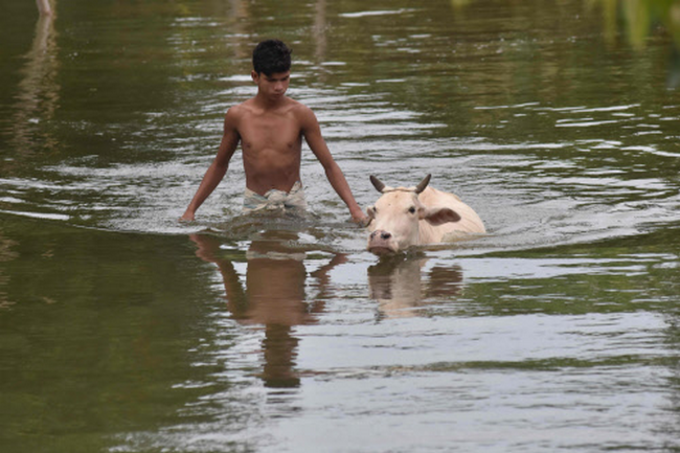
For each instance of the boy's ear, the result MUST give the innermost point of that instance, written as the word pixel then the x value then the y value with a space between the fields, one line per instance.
pixel 254 75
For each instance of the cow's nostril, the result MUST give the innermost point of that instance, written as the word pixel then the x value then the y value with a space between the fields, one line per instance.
pixel 386 235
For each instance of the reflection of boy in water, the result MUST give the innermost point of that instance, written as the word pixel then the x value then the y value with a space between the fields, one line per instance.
pixel 274 296
pixel 270 128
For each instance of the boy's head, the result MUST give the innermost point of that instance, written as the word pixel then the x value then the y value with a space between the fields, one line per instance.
pixel 271 57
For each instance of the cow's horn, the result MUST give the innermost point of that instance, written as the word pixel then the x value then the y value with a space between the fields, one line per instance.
pixel 379 186
pixel 420 187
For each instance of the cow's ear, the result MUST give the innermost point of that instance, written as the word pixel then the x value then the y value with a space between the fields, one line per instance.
pixel 370 211
pixel 438 216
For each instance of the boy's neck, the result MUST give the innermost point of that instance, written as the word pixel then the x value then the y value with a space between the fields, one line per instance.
pixel 261 100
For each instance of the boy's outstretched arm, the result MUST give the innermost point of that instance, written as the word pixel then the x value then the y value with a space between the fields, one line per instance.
pixel 217 169
pixel 312 133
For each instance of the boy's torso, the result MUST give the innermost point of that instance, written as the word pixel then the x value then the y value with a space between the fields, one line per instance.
pixel 271 140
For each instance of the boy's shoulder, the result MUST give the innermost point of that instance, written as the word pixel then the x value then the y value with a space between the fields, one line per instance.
pixel 238 112
pixel 243 107
pixel 297 107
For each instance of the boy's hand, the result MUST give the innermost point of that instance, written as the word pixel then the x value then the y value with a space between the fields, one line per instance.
pixel 187 217
pixel 360 219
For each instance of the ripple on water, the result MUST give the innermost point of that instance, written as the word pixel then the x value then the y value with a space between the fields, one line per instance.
pixel 532 191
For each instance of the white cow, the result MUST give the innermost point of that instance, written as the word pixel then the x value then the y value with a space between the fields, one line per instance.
pixel 404 217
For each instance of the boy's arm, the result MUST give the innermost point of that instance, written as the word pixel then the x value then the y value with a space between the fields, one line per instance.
pixel 312 132
pixel 218 168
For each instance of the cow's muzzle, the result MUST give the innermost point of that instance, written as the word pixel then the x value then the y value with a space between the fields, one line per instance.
pixel 380 242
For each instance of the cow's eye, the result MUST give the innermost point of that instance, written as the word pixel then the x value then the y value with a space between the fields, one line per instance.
pixel 412 210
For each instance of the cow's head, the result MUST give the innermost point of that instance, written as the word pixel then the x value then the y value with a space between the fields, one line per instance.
pixel 394 218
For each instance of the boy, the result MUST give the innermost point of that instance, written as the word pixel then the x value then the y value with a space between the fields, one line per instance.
pixel 270 127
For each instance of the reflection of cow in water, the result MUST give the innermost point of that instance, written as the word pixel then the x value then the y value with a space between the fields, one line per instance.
pixel 396 283
pixel 274 296
pixel 403 217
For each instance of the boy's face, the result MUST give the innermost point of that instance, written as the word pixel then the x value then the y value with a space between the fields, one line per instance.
pixel 273 86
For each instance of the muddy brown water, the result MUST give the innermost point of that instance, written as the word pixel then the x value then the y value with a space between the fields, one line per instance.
pixel 124 331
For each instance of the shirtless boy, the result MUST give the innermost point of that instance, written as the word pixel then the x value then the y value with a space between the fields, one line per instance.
pixel 270 128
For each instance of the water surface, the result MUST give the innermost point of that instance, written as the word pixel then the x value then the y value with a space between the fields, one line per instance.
pixel 122 330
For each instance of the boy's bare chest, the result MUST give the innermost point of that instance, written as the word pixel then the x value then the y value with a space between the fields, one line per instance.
pixel 269 132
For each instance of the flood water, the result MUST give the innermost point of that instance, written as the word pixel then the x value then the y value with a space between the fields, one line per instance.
pixel 122 330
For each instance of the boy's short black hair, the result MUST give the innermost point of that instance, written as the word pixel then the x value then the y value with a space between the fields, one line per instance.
pixel 271 56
